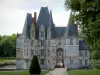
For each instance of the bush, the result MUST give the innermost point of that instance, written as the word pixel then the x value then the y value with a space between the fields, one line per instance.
pixel 35 67
pixel 84 67
pixel 96 54
pixel 95 64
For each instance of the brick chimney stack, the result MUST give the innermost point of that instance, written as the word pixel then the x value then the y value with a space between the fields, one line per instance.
pixel 35 17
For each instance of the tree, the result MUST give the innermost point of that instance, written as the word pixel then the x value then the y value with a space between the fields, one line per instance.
pixel 35 67
pixel 86 14
pixel 8 45
pixel 95 54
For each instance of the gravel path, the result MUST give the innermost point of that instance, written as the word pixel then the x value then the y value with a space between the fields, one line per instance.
pixel 58 71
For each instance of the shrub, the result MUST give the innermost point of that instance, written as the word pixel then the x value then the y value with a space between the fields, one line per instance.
pixel 95 64
pixel 35 67
pixel 84 67
pixel 96 54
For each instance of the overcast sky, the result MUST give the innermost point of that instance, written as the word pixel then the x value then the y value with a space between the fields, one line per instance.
pixel 13 13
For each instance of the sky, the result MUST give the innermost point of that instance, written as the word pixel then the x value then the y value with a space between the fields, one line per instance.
pixel 13 13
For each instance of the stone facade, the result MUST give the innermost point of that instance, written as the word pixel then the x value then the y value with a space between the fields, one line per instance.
pixel 42 39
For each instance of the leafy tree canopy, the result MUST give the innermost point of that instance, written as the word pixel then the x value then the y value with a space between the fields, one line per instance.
pixel 8 45
pixel 86 14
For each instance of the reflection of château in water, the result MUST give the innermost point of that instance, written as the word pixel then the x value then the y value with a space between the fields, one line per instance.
pixel 51 44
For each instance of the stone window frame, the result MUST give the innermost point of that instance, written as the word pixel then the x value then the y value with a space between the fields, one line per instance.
pixel 42 61
pixel 59 42
pixel 48 43
pixel 32 52
pixel 42 52
pixel 42 42
pixel 65 41
pixel 85 62
pixel 26 52
pixel 71 61
pixel 80 53
pixel 80 61
pixel 71 41
pixel 42 33
pixel 32 42
pixel 85 53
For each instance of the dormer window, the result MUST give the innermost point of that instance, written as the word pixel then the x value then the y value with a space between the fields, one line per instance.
pixel 59 42
pixel 42 33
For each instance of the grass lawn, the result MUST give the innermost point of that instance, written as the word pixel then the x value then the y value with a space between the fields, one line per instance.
pixel 7 60
pixel 20 72
pixel 84 72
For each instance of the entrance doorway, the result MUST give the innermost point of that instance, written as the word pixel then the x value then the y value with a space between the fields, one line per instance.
pixel 59 59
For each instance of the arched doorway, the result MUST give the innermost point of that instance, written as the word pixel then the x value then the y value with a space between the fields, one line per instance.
pixel 59 59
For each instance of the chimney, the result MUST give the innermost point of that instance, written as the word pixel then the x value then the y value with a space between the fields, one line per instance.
pixel 35 17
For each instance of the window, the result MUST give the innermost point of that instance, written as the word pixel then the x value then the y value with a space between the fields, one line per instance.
pixel 42 52
pixel 80 62
pixel 42 33
pixel 53 50
pixel 59 42
pixel 71 61
pixel 85 62
pixel 85 53
pixel 65 41
pixel 48 43
pixel 42 43
pixel 32 52
pixel 48 52
pixel 42 61
pixel 59 54
pixel 71 41
pixel 77 42
pixel 48 61
pixel 26 52
pixel 80 53
pixel 32 42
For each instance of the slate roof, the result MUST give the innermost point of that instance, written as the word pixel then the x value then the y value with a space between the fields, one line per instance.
pixel 82 45
pixel 60 31
pixel 27 25
pixel 45 18
pixel 72 30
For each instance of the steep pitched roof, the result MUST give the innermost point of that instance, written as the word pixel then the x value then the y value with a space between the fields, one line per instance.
pixel 44 18
pixel 72 30
pixel 27 24
pixel 59 31
pixel 82 45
